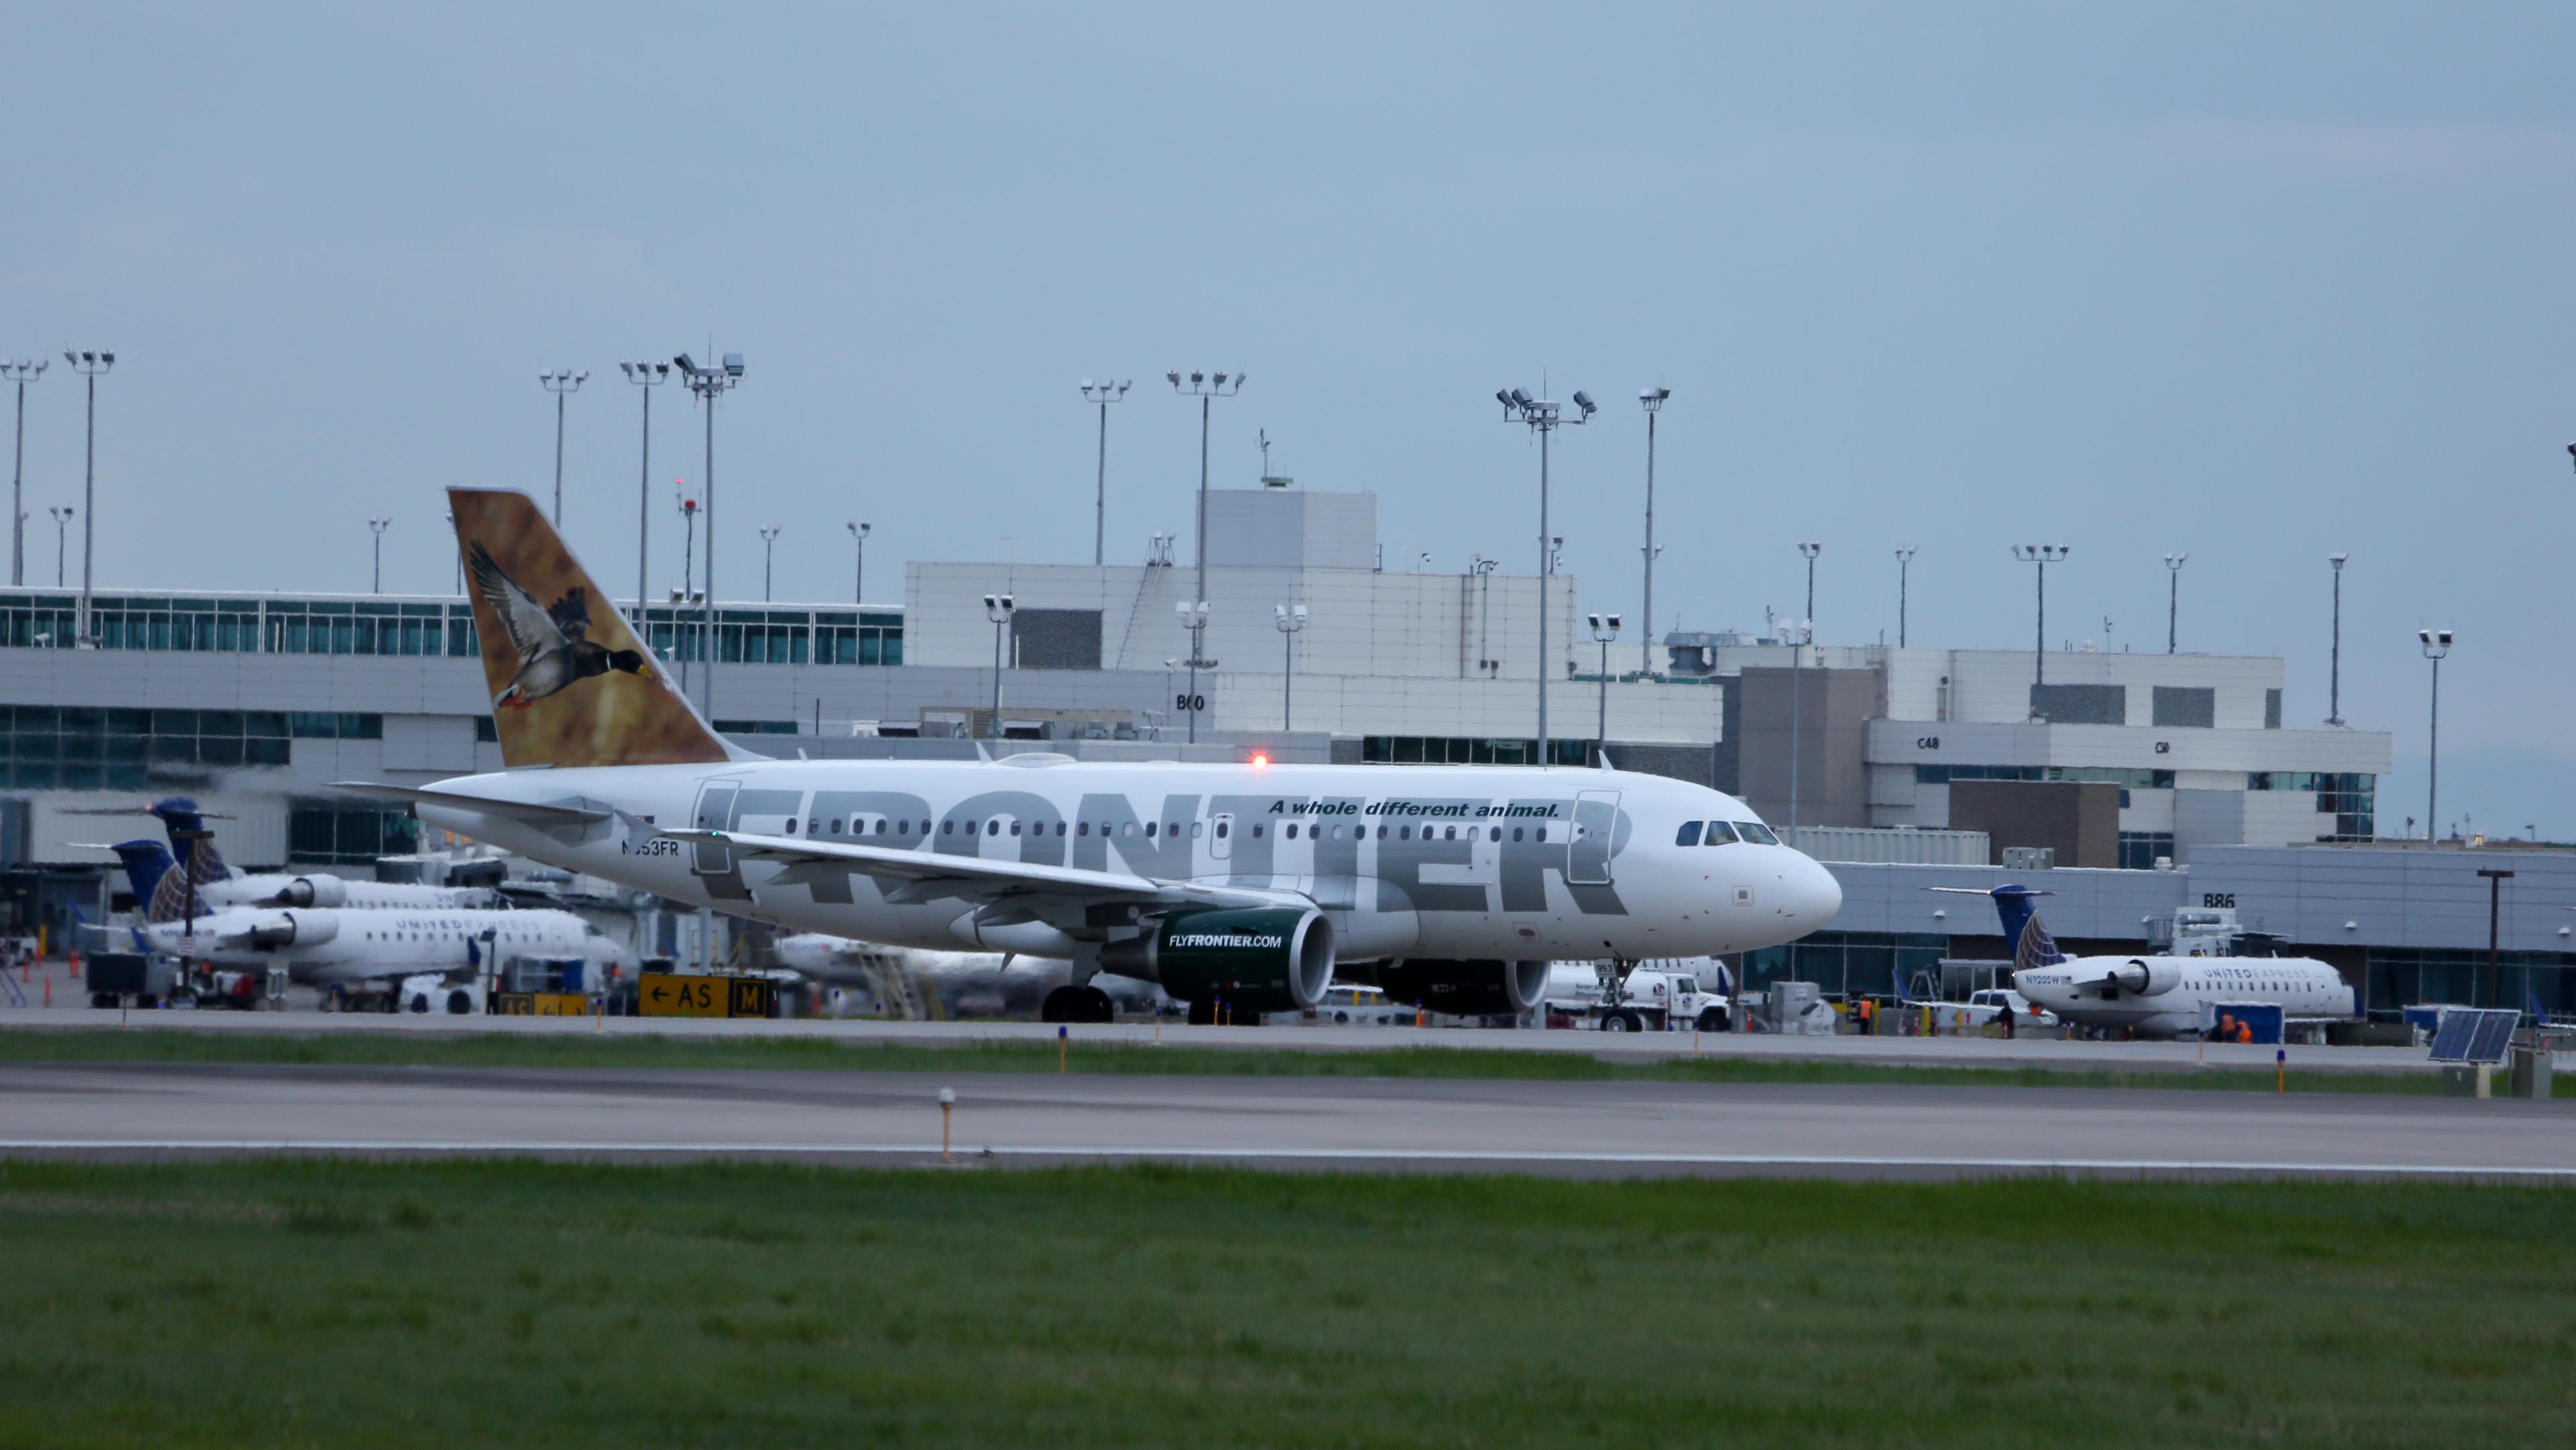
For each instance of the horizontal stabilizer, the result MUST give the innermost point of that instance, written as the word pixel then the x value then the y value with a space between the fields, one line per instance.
pixel 535 815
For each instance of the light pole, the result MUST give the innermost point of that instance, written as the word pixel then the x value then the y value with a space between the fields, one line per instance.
pixel 21 371
pixel 1605 628
pixel 62 513
pixel 710 384
pixel 999 609
pixel 1289 619
pixel 2043 555
pixel 1544 418
pixel 2495 910
pixel 768 553
pixel 1809 550
pixel 89 365
pixel 2173 596
pixel 1105 393
pixel 1194 618
pixel 1904 564
pixel 1205 387
pixel 859 566
pixel 1652 400
pixel 2437 645
pixel 2334 676
pixel 561 381
pixel 377 526
pixel 688 563
pixel 460 571
pixel 648 376
pixel 1801 634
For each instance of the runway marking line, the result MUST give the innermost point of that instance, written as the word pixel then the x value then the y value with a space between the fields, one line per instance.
pixel 1444 1155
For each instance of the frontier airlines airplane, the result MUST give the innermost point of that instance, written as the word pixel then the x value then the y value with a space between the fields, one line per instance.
pixel 1248 885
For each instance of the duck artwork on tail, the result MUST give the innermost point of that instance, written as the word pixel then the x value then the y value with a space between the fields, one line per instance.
pixel 553 643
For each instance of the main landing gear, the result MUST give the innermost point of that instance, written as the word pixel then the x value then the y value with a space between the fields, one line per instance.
pixel 1077 1004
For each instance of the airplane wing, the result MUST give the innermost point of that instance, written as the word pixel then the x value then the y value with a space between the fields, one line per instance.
pixel 918 876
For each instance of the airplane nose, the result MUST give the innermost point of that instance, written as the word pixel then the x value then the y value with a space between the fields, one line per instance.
pixel 1814 896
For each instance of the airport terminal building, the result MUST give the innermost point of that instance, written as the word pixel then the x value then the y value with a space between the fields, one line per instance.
pixel 2164 778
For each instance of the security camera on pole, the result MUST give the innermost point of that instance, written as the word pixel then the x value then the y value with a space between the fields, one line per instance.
pixel 1605 628
pixel 1194 618
pixel 1290 619
pixel 998 608
pixel 1544 418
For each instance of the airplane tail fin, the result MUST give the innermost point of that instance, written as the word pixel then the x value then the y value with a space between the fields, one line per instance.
pixel 191 845
pixel 2024 932
pixel 571 682
pixel 145 863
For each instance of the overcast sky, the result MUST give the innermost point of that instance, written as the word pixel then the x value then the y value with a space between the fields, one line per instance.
pixel 2256 282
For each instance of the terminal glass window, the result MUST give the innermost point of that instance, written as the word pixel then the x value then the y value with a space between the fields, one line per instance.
pixel 2349 797
pixel 2091 774
pixel 35 621
pixel 2410 976
pixel 338 833
pixel 1467 750
pixel 71 747
pixel 2139 849
pixel 1844 962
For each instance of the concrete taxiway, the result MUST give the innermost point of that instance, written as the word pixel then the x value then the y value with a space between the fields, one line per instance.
pixel 1991 1052
pixel 1588 1129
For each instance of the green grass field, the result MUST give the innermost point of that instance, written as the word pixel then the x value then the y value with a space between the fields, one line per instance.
pixel 581 1048
pixel 316 1303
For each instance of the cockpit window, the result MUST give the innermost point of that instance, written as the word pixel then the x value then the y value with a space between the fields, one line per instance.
pixel 1756 832
pixel 1689 835
pixel 1720 834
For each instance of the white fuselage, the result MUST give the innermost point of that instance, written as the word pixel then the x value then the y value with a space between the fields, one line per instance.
pixel 265 887
pixel 325 945
pixel 1443 862
pixel 2080 990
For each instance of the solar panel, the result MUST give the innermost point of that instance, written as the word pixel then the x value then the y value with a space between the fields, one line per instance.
pixel 2474 1034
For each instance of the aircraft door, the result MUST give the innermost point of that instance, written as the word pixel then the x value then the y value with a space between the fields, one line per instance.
pixel 1596 817
pixel 714 813
pixel 1221 837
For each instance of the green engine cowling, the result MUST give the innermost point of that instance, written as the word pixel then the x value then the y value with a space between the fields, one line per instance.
pixel 1256 959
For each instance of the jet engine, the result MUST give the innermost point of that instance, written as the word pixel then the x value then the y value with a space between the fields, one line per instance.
pixel 2144 977
pixel 1465 989
pixel 295 928
pixel 313 891
pixel 1257 959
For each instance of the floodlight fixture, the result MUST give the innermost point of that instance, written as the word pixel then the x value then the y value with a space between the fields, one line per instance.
pixel 733 364
pixel 1584 401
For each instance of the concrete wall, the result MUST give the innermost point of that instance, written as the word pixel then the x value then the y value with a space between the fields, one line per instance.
pixel 2079 821
pixel 1832 711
